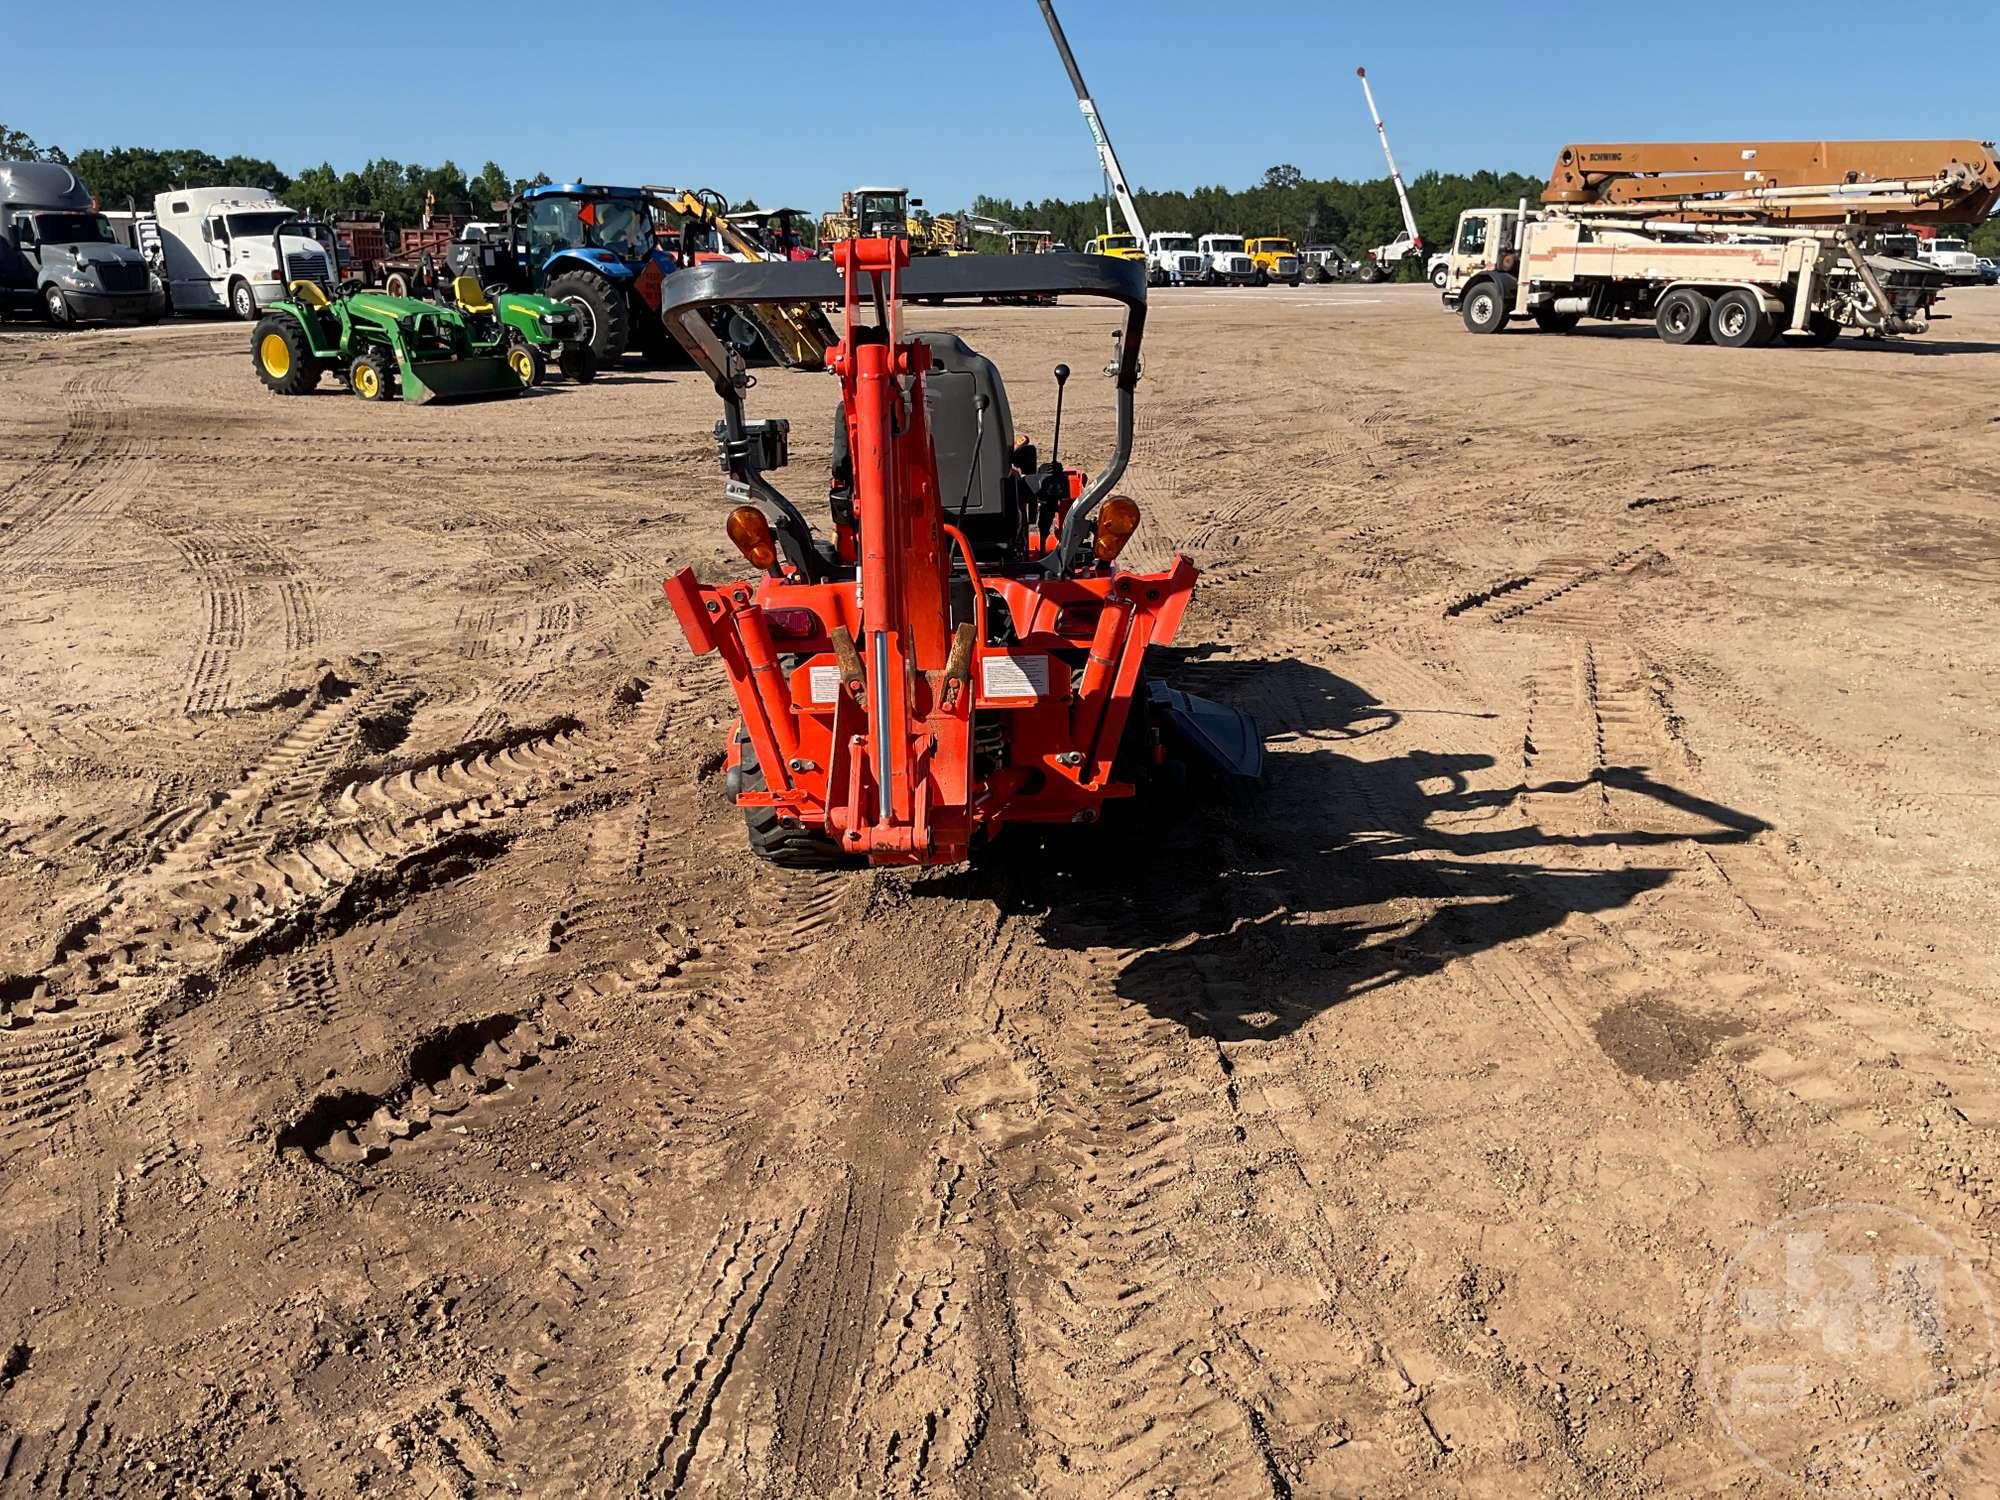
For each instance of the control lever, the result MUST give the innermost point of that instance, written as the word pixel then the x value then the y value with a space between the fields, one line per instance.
pixel 1051 490
pixel 1055 437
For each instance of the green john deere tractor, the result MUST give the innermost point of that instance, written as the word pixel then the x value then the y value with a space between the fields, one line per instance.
pixel 533 330
pixel 382 346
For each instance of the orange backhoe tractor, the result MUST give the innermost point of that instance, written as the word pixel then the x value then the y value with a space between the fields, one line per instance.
pixel 959 650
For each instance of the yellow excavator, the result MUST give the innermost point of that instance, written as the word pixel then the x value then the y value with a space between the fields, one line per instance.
pixel 797 334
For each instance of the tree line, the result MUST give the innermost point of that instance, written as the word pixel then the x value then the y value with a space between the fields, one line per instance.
pixel 1333 210
pixel 1312 211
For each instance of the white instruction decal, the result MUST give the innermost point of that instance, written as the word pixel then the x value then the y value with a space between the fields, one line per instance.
pixel 824 682
pixel 1015 676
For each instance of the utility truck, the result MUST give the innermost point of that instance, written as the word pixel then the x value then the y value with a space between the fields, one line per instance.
pixel 1732 242
pixel 1229 264
pixel 1381 262
pixel 219 252
pixel 1174 259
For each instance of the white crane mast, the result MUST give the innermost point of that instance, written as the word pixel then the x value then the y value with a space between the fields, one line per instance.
pixel 1114 175
pixel 1395 175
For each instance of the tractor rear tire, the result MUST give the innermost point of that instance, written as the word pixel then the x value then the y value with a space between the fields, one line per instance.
pixel 770 840
pixel 1738 320
pixel 602 307
pixel 1682 317
pixel 1484 308
pixel 525 360
pixel 372 376
pixel 578 363
pixel 284 361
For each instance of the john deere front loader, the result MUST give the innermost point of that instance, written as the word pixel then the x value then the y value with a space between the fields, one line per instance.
pixel 382 346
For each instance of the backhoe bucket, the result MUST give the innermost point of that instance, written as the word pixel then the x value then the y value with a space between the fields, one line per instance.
pixel 1224 739
pixel 462 379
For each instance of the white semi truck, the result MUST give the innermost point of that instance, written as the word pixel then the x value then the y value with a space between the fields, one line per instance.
pixel 1229 264
pixel 1174 259
pixel 218 252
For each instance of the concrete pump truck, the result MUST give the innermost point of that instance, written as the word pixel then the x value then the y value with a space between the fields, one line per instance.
pixel 1729 242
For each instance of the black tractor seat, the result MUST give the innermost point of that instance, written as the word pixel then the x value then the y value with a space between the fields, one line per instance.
pixel 976 484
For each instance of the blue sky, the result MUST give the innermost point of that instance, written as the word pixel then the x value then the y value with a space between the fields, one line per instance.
pixel 954 97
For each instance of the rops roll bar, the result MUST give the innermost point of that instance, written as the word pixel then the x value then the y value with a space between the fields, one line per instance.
pixel 689 294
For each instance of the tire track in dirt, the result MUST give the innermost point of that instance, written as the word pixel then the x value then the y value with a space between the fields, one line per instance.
pixel 94 470
pixel 213 902
pixel 1109 1325
pixel 233 564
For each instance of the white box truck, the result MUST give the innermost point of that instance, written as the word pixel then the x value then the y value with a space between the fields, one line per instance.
pixel 217 247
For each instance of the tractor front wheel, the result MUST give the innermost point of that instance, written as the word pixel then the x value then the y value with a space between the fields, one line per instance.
pixel 284 360
pixel 578 363
pixel 607 324
pixel 526 363
pixel 371 376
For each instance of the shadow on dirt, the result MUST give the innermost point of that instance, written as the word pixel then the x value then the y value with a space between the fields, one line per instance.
pixel 1847 343
pixel 1335 877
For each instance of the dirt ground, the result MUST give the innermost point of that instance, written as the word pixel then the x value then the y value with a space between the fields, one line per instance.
pixel 413 1087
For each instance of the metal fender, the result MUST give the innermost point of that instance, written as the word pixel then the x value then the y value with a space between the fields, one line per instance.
pixel 603 262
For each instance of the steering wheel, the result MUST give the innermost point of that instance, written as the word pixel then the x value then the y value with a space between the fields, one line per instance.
pixel 350 286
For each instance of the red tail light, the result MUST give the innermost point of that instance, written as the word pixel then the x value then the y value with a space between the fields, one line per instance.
pixel 792 624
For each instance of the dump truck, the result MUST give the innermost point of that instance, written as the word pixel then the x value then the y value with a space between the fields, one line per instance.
pixel 1275 258
pixel 1732 242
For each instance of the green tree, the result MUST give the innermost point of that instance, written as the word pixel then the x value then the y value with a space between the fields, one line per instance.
pixel 18 145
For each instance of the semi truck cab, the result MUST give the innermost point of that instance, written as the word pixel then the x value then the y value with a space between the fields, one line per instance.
pixel 59 256
pixel 1173 260
pixel 1276 259
pixel 217 246
pixel 1227 260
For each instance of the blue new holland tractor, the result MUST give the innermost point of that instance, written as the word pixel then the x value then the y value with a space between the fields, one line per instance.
pixel 593 247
